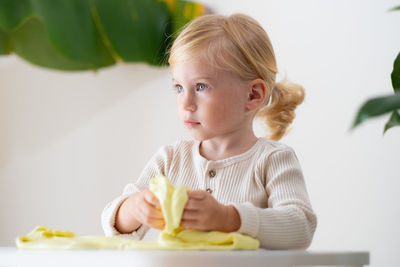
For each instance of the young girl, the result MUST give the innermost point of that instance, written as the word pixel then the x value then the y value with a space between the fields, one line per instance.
pixel 224 71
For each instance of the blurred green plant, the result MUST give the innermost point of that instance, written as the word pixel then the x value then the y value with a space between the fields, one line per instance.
pixel 384 104
pixel 75 35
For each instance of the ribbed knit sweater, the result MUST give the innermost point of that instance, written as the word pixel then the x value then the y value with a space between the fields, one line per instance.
pixel 265 184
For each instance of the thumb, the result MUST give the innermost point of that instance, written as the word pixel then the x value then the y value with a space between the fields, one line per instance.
pixel 151 198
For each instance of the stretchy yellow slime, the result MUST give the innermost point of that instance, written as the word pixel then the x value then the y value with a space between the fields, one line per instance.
pixel 172 202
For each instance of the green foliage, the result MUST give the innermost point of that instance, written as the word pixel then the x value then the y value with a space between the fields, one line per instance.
pixel 4 43
pixel 90 34
pixel 395 8
pixel 13 12
pixel 396 74
pixel 393 121
pixel 381 105
pixel 377 106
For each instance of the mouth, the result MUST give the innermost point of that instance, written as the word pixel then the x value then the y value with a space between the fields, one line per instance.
pixel 189 123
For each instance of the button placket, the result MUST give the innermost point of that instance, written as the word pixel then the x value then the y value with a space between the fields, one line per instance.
pixel 210 173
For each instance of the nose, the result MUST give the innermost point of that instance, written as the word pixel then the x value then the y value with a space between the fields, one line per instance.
pixel 188 102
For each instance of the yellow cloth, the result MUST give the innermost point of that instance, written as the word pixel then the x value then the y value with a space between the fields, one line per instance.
pixel 172 202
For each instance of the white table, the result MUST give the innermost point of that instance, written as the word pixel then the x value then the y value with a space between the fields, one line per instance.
pixel 11 257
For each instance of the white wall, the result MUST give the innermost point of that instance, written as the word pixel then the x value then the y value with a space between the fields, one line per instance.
pixel 69 142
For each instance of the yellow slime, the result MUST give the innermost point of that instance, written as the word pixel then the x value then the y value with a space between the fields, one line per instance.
pixel 175 237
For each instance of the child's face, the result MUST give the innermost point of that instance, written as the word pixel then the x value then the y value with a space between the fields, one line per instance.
pixel 211 102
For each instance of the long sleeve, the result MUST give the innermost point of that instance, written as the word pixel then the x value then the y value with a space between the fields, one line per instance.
pixel 157 165
pixel 265 184
pixel 109 213
pixel 289 221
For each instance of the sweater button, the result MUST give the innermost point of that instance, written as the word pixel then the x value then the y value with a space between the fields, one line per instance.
pixel 209 190
pixel 212 173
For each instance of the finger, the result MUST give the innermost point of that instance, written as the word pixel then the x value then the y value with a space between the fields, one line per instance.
pixel 151 212
pixel 159 227
pixel 151 199
pixel 193 204
pixel 152 220
pixel 190 215
pixel 189 224
pixel 197 194
pixel 158 224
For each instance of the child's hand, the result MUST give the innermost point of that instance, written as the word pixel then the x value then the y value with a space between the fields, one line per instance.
pixel 204 212
pixel 145 208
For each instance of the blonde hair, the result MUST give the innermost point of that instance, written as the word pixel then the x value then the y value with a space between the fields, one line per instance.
pixel 240 45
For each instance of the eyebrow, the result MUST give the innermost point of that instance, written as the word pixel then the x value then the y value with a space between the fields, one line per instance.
pixel 198 78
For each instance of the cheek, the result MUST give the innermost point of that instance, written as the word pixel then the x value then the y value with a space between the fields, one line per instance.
pixel 228 107
pixel 179 111
pixel 217 112
pixel 178 104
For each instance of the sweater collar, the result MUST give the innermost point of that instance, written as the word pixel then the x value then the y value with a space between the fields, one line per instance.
pixel 226 161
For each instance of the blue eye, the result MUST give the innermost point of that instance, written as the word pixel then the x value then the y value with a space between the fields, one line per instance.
pixel 201 87
pixel 178 88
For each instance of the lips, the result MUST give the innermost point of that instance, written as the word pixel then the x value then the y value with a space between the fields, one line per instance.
pixel 190 123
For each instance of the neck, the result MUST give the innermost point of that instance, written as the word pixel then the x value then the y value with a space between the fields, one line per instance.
pixel 232 144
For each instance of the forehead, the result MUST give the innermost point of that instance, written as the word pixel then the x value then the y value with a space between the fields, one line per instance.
pixel 193 67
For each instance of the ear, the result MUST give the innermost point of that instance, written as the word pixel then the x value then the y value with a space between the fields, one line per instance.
pixel 257 91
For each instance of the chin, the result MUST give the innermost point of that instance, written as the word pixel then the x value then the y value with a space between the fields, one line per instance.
pixel 199 137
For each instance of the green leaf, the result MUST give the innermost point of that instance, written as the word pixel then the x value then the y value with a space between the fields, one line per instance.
pixel 395 8
pixel 13 12
pixel 393 121
pixel 31 42
pixel 377 106
pixel 4 43
pixel 72 31
pixel 135 29
pixel 183 12
pixel 396 74
pixel 90 34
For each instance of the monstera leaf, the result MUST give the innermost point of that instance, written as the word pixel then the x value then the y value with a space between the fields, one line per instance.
pixel 91 34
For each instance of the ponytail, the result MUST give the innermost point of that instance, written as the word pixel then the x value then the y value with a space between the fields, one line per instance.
pixel 279 113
